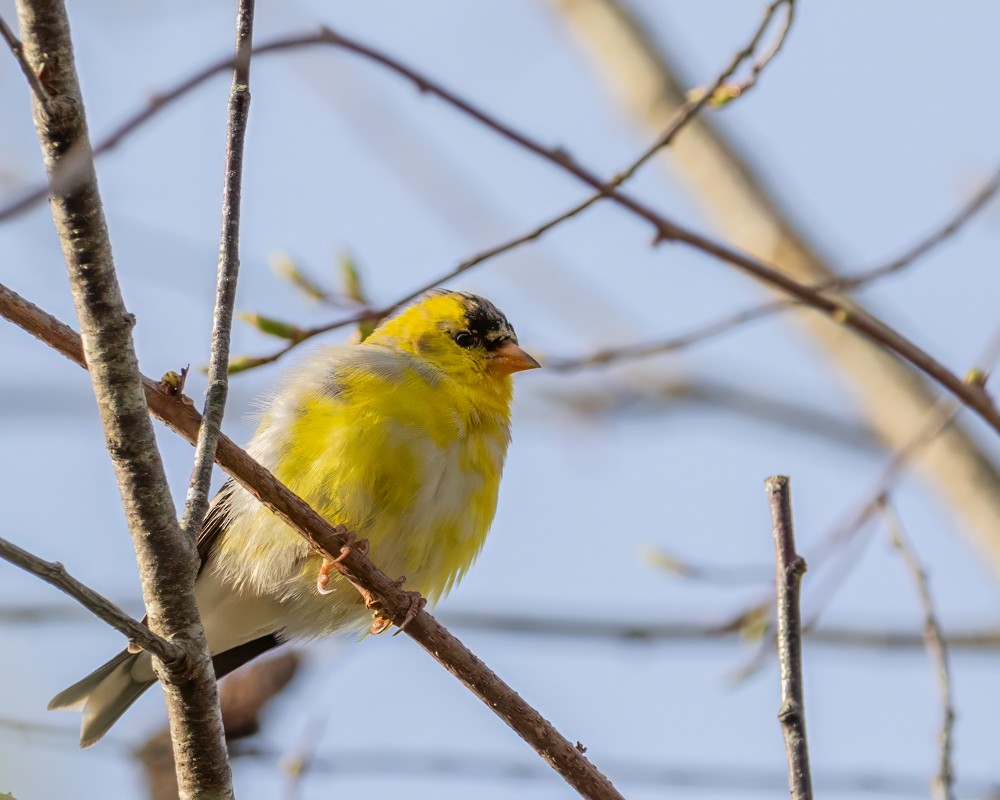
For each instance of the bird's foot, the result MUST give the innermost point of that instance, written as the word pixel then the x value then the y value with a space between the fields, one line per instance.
pixel 354 545
pixel 416 603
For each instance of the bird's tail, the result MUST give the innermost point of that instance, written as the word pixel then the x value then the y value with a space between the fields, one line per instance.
pixel 105 694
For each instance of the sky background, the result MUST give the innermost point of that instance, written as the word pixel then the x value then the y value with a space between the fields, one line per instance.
pixel 874 125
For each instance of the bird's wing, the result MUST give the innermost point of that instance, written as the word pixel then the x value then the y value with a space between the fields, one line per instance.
pixel 215 522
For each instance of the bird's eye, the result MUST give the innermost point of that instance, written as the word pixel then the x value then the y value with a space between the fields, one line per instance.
pixel 465 339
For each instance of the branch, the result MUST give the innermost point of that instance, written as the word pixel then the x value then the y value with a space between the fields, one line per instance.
pixel 196 504
pixel 790 569
pixel 242 696
pixel 332 541
pixel 166 557
pixel 937 651
pixel 34 82
pixel 966 212
pixel 55 574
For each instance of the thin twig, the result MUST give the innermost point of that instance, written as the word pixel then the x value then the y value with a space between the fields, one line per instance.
pixel 377 588
pixel 943 785
pixel 908 258
pixel 196 504
pixel 790 569
pixel 34 82
pixel 55 574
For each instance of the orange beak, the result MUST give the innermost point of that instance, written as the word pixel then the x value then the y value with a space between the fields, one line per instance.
pixel 510 358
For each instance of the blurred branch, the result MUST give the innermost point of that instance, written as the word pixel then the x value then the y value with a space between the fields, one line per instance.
pixel 55 574
pixel 613 630
pixel 242 696
pixel 937 651
pixel 699 392
pixel 790 569
pixel 911 256
pixel 34 82
pixel 410 764
pixel 377 589
pixel 640 73
pixel 166 557
pixel 196 504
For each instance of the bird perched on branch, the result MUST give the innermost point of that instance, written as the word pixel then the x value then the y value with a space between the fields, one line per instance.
pixel 401 438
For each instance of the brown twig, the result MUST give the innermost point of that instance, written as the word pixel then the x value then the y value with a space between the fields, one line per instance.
pixel 34 82
pixel 55 574
pixel 908 258
pixel 167 559
pixel 326 539
pixel 790 569
pixel 943 784
pixel 196 504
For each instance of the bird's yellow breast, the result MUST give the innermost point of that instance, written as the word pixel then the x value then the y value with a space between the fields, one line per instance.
pixel 398 454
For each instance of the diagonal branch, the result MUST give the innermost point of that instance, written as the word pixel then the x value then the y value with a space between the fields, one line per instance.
pixel 55 574
pixel 937 651
pixel 613 355
pixel 34 82
pixel 329 541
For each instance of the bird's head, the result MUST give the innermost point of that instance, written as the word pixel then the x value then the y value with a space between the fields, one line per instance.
pixel 465 336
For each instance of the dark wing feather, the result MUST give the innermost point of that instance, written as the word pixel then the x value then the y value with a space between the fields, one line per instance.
pixel 215 522
pixel 233 659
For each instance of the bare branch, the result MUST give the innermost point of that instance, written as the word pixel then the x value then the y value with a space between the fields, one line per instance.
pixel 966 212
pixel 943 784
pixel 243 696
pixel 196 504
pixel 55 574
pixel 790 569
pixel 34 82
pixel 377 588
pixel 166 557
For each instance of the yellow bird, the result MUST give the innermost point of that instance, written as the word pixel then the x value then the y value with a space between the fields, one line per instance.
pixel 401 438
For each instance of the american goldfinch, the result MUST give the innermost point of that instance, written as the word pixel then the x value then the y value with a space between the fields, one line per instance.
pixel 401 438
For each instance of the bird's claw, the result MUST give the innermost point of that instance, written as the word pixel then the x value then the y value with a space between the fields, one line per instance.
pixel 416 603
pixel 354 545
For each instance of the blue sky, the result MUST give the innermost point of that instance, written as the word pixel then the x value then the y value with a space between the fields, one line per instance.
pixel 873 124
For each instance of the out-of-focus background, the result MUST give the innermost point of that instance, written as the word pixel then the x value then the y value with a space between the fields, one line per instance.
pixel 871 128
